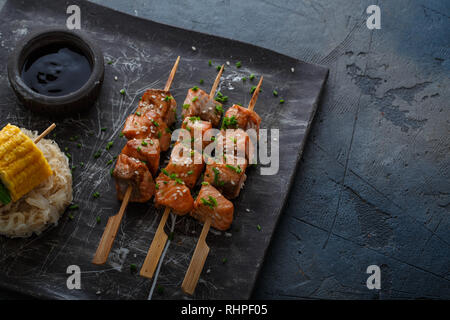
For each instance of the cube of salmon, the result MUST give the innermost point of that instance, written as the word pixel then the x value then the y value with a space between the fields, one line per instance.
pixel 236 143
pixel 242 118
pixel 173 193
pixel 227 177
pixel 161 102
pixel 147 125
pixel 146 150
pixel 130 171
pixel 198 104
pixel 197 127
pixel 185 164
pixel 211 203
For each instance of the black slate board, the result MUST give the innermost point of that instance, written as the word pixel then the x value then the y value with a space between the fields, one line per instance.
pixel 143 53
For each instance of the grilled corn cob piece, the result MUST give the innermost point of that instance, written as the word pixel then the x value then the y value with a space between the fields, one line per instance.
pixel 22 164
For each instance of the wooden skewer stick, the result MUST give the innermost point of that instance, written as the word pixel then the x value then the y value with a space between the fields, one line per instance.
pixel 46 132
pixel 159 240
pixel 110 232
pixel 172 75
pixel 216 83
pixel 202 250
pixel 251 104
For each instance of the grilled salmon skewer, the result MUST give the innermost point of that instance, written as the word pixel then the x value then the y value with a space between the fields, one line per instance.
pixel 211 207
pixel 148 133
pixel 180 175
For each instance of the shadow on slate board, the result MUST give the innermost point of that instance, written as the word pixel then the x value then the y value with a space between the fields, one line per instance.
pixel 142 53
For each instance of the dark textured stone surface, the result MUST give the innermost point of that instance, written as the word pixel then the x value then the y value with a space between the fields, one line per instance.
pixel 142 54
pixel 373 183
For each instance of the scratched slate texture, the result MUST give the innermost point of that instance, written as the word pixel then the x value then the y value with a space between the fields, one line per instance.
pixel 376 161
pixel 141 54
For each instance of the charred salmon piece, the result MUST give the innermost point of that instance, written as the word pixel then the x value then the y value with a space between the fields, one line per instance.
pixel 198 129
pixel 147 125
pixel 147 150
pixel 185 165
pixel 173 193
pixel 130 171
pixel 228 177
pixel 237 143
pixel 198 104
pixel 210 202
pixel 242 118
pixel 161 102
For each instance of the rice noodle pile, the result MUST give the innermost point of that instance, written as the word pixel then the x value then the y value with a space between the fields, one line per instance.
pixel 44 205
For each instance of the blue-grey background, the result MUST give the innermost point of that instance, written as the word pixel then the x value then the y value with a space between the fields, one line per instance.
pixel 373 184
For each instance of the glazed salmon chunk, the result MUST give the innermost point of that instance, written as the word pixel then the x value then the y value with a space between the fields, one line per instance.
pixel 161 102
pixel 148 124
pixel 210 202
pixel 198 104
pixel 131 171
pixel 147 150
pixel 235 142
pixel 173 193
pixel 242 118
pixel 185 164
pixel 198 129
pixel 227 177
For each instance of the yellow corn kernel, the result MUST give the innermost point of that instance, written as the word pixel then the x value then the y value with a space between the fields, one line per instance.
pixel 22 164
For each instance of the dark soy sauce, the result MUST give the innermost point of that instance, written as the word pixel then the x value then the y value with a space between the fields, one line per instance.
pixel 56 70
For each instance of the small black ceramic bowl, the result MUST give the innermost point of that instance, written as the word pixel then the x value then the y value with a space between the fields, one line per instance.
pixel 75 101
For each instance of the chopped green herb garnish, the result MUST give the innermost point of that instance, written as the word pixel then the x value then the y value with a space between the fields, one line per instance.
pixel 109 145
pixel 159 134
pixel 189 172
pixel 133 267
pixel 165 172
pixel 110 62
pixel 229 122
pixel 96 194
pixel 258 227
pixel 282 101
pixel 193 119
pixel 78 145
pixel 97 154
pixel 209 63
pixel 74 207
pixel 252 76
pixel 155 123
pixel 156 186
pixel 253 89
pixel 82 164
pixel 66 149
pixel 194 88
pixel 219 109
pixel 70 216
pixel 204 183
pixel 103 129
pixel 244 79
pixel 211 202
pixel 110 162
pixel 186 106
pixel 98 219
pixel 168 130
pixel 201 81
pixel 236 169
pixel 275 93
pixel 144 143
pixel 194 99
pixel 122 91
pixel 111 172
pixel 238 64
pixel 167 98
pixel 138 149
pixel 224 260
pixel 68 155
pixel 138 113
pixel 218 68
pixel 121 135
